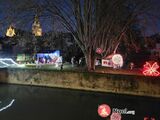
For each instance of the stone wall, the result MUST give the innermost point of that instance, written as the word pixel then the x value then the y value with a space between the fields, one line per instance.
pixel 125 84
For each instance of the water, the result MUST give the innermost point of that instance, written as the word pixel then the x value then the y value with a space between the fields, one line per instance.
pixel 40 103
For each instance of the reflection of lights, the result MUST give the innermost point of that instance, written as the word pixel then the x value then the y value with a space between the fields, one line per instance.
pixel 117 59
pixel 5 64
pixel 9 105
pixel 150 69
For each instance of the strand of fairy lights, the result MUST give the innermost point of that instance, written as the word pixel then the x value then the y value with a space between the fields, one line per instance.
pixel 8 59
pixel 2 60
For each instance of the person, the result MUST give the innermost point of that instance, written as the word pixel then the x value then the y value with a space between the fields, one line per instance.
pixel 97 62
pixel 43 60
pixel 72 61
pixel 37 63
pixel 48 61
pixel 131 66
pixel 80 62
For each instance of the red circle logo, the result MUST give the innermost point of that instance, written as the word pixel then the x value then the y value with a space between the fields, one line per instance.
pixel 116 116
pixel 104 110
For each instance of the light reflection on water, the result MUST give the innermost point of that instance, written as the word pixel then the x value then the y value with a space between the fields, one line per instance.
pixel 41 103
pixel 5 104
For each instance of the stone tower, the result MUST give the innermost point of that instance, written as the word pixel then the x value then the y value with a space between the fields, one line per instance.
pixel 36 27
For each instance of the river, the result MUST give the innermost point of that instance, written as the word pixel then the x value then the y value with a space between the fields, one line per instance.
pixel 42 103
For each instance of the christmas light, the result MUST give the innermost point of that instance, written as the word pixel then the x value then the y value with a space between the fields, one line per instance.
pixel 151 69
pixel 99 51
pixel 10 32
pixel 4 63
pixel 117 60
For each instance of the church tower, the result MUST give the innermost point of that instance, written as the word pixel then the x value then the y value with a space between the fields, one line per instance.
pixel 36 27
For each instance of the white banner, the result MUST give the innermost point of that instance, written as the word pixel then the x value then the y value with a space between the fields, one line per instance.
pixel 107 63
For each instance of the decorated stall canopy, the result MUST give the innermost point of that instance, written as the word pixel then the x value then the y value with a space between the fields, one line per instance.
pixel 52 57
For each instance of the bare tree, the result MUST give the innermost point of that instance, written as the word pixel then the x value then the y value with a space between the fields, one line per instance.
pixel 97 23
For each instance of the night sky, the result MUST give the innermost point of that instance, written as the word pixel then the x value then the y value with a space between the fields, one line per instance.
pixel 152 24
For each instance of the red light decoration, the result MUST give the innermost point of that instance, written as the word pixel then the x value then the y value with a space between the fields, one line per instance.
pixel 151 69
pixel 99 50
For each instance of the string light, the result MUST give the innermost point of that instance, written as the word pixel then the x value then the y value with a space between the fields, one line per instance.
pixel 5 64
